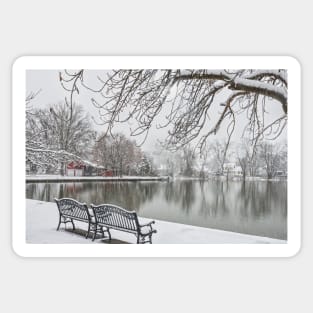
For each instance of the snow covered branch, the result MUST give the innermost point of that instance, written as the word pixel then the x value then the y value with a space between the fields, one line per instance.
pixel 53 158
pixel 187 98
pixel 57 135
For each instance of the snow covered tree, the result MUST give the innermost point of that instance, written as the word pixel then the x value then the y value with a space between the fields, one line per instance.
pixel 218 153
pixel 101 151
pixel 187 98
pixel 188 161
pixel 57 135
pixel 145 166
pixel 271 155
pixel 204 164
pixel 247 158
pixel 243 160
pixel 117 153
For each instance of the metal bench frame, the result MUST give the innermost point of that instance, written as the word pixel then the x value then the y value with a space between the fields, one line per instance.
pixel 70 210
pixel 110 216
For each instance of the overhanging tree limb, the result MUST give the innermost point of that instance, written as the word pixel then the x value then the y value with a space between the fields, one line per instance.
pixel 138 96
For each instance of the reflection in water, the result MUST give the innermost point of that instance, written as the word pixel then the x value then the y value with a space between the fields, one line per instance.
pixel 258 208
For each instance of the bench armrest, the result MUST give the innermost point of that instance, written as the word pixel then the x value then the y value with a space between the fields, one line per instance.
pixel 148 231
pixel 147 224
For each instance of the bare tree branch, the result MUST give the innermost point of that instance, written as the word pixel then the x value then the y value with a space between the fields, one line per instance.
pixel 186 97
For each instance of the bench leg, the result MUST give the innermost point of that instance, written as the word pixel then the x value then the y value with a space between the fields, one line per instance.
pixel 108 230
pixel 88 231
pixel 94 233
pixel 73 224
pixel 142 239
pixel 59 223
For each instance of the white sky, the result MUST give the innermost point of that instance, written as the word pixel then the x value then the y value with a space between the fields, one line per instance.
pixel 52 93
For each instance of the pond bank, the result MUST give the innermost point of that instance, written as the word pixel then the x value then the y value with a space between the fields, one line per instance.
pixel 58 178
pixel 42 220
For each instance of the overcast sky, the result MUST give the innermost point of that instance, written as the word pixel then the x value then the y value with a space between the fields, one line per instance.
pixel 52 93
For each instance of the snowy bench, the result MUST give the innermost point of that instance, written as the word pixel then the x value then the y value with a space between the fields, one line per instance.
pixel 110 216
pixel 70 210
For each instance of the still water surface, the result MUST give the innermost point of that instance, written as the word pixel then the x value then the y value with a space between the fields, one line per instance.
pixel 258 208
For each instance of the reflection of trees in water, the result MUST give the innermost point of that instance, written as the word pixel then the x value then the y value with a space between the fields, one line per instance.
pixel 182 193
pixel 30 190
pixel 187 192
pixel 263 198
pixel 169 191
pixel 221 204
pixel 41 191
pixel 277 194
pixel 211 198
pixel 130 195
pixel 250 199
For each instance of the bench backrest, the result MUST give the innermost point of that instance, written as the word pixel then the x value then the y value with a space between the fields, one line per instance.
pixel 115 216
pixel 73 208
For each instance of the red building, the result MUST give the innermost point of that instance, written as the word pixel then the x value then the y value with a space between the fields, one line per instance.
pixel 107 173
pixel 75 169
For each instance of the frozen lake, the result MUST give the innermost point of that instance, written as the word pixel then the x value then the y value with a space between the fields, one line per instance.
pixel 256 207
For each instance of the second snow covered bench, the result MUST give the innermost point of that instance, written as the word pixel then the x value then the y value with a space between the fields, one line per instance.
pixel 111 216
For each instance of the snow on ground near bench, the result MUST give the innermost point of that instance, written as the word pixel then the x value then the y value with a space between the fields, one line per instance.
pixel 42 220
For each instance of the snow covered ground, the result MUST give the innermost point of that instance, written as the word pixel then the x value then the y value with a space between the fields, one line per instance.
pixel 42 220
pixel 52 178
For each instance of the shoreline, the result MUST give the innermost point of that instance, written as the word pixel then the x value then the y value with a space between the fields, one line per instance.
pixel 58 178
